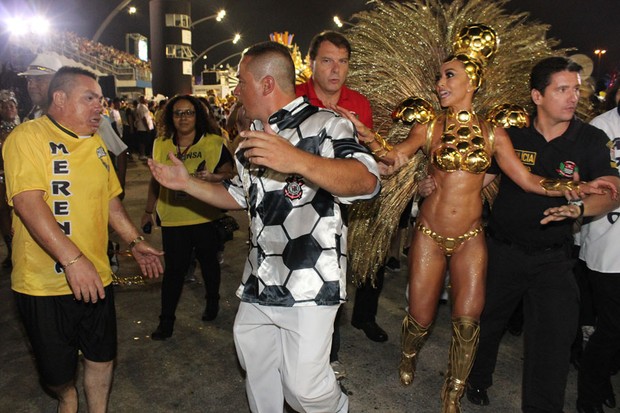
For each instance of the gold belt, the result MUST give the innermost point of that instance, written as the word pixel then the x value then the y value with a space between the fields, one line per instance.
pixel 448 244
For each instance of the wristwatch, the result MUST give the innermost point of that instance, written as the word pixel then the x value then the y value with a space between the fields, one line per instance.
pixel 578 202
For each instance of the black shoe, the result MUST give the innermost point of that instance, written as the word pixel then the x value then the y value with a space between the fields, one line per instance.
pixel 477 396
pixel 211 309
pixel 392 264
pixel 610 401
pixel 163 331
pixel 584 407
pixel 372 330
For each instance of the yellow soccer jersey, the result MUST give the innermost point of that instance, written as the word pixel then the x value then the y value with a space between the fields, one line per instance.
pixel 176 208
pixel 78 180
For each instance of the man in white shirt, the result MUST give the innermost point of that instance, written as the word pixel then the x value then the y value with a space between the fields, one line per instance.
pixel 600 238
pixel 144 127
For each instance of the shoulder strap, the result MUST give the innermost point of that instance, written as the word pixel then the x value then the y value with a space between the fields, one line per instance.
pixel 429 135
pixel 491 137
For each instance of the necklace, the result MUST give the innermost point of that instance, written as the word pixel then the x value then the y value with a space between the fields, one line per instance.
pixel 179 154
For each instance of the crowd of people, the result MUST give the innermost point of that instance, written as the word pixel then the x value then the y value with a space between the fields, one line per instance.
pixel 275 147
pixel 72 45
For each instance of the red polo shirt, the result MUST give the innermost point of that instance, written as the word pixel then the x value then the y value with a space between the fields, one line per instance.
pixel 349 99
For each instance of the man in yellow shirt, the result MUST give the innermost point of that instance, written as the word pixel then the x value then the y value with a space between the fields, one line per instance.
pixel 65 192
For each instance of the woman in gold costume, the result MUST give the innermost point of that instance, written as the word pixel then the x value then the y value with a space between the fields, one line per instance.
pixel 449 236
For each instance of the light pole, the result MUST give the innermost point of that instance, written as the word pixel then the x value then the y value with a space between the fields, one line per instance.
pixel 219 16
pixel 227 58
pixel 234 39
pixel 599 53
pixel 341 23
pixel 108 19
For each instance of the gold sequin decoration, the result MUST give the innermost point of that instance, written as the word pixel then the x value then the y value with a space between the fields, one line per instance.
pixel 463 116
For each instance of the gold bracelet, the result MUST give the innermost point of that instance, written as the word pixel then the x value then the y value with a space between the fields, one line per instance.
pixel 136 241
pixel 380 152
pixel 73 261
pixel 384 144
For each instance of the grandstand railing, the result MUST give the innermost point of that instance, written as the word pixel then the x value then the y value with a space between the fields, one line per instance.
pixel 121 72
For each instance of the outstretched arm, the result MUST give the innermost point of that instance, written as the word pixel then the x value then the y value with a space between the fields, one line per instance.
pixel 593 205
pixel 176 177
pixel 512 166
pixel 399 154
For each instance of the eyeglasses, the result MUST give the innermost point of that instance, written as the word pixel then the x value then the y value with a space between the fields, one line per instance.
pixel 180 113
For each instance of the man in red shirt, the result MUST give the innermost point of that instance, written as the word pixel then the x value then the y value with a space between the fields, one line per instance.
pixel 329 58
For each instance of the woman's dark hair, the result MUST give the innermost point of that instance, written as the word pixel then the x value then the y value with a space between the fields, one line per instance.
pixel 203 126
pixel 213 124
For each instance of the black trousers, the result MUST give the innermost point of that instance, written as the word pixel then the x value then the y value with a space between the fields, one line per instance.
pixel 593 381
pixel 364 309
pixel 178 244
pixel 367 300
pixel 545 281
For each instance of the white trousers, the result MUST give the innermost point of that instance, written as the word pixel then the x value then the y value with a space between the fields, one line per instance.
pixel 285 353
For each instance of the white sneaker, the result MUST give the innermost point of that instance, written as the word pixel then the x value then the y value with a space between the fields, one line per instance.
pixel 339 369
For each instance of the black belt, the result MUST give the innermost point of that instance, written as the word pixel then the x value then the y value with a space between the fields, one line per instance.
pixel 527 249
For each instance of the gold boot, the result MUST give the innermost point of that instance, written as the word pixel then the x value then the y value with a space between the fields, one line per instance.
pixel 465 336
pixel 412 340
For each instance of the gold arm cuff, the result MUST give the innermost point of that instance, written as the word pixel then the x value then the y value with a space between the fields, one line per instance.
pixel 384 144
pixel 549 184
pixel 382 150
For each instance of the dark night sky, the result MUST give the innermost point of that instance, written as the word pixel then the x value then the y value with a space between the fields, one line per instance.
pixel 584 24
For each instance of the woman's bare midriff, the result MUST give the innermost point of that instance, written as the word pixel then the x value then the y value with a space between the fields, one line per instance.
pixel 455 206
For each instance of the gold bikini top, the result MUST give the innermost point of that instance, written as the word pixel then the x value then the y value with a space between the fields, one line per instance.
pixel 462 146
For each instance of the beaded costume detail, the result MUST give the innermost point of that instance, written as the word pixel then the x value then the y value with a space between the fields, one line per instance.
pixel 463 146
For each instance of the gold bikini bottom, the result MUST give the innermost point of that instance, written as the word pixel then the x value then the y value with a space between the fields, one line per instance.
pixel 448 244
